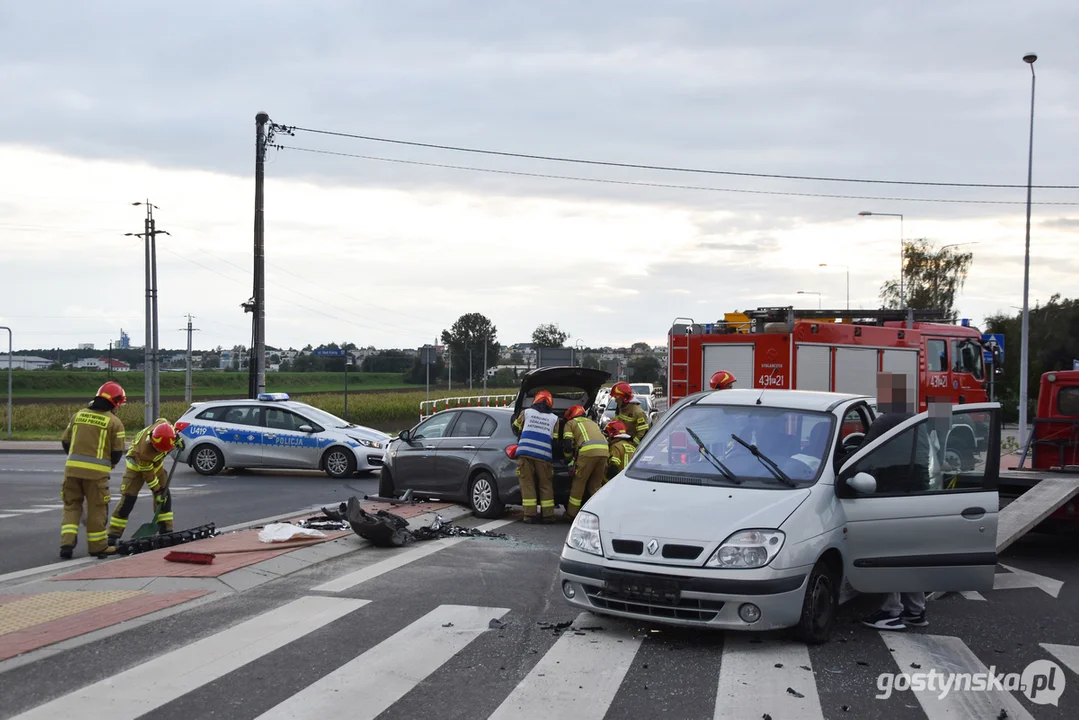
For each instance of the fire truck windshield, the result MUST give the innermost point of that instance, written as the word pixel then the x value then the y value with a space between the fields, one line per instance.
pixel 796 440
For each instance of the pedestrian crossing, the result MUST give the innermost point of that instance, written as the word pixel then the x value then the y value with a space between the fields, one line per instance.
pixel 448 653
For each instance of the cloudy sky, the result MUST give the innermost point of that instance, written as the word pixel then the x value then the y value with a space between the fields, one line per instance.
pixel 109 103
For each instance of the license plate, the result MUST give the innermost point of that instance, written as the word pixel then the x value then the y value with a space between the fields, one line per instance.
pixel 635 587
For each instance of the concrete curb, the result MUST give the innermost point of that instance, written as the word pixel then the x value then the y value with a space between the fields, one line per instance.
pixel 13 446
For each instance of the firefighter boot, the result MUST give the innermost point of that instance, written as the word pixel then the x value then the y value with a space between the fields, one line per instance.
pixel 66 551
pixel 106 553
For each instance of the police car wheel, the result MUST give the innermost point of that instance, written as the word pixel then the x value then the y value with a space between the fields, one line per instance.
pixel 483 496
pixel 339 462
pixel 207 460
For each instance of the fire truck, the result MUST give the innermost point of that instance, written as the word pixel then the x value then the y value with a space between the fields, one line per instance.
pixel 834 350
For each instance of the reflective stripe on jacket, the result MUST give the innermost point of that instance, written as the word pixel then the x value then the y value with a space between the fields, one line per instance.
pixel 143 456
pixel 538 431
pixel 584 438
pixel 621 454
pixel 92 437
pixel 636 421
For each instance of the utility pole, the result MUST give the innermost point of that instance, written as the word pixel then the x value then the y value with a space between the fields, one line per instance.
pixel 187 379
pixel 257 363
pixel 486 340
pixel 151 381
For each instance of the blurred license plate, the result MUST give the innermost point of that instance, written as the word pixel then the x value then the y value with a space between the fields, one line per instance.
pixel 636 587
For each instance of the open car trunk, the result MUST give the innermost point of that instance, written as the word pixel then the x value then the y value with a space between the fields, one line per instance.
pixel 568 386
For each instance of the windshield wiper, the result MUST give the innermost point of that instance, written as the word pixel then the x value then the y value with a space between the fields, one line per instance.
pixel 707 454
pixel 766 461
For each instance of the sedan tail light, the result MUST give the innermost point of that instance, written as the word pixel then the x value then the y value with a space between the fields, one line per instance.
pixel 511 452
pixel 181 425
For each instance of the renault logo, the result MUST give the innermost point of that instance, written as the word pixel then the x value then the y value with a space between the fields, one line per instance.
pixel 652 547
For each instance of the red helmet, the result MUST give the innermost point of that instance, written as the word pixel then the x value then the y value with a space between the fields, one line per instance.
pixel 543 396
pixel 622 391
pixel 574 412
pixel 615 428
pixel 112 392
pixel 721 380
pixel 163 438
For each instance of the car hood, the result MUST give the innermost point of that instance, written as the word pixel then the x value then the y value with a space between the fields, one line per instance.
pixel 631 508
pixel 365 433
pixel 587 380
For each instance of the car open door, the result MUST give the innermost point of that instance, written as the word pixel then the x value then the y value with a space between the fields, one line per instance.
pixel 921 504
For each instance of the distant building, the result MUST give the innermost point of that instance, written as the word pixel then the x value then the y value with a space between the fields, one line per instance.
pixel 26 362
pixel 124 343
pixel 101 363
pixel 86 346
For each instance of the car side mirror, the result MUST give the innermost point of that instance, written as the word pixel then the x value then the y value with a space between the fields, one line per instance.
pixel 306 429
pixel 862 483
pixel 403 435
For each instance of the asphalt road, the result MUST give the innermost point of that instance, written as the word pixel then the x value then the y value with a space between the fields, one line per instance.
pixel 30 505
pixel 417 641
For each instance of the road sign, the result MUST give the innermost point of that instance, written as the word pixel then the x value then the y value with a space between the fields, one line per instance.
pixel 328 352
pixel 428 354
pixel 998 338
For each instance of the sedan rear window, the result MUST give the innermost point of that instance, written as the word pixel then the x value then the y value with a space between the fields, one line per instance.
pixel 794 440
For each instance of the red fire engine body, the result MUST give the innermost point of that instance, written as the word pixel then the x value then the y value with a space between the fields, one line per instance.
pixel 830 350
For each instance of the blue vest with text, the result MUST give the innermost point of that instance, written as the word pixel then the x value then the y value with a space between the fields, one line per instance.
pixel 537 433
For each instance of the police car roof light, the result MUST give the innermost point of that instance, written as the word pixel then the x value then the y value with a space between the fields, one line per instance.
pixel 272 396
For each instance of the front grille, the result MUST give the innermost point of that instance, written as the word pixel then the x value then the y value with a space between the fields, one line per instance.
pixel 684 609
pixel 628 547
pixel 375 460
pixel 682 552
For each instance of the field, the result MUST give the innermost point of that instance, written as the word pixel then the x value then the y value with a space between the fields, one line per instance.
pixel 386 411
pixel 75 385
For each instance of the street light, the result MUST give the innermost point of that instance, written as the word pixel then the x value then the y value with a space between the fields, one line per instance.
pixel 902 247
pixel 1024 354
pixel 847 268
pixel 810 292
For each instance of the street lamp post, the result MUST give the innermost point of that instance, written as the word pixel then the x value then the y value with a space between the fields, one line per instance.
pixel 847 268
pixel 810 292
pixel 1024 353
pixel 902 248
pixel 10 361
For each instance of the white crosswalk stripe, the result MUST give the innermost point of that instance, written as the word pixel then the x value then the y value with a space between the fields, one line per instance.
pixel 152 684
pixel 758 674
pixel 383 675
pixel 580 675
pixel 577 678
pixel 951 656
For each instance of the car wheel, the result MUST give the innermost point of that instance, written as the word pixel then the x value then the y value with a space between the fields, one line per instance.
pixel 339 462
pixel 820 606
pixel 483 496
pixel 207 460
pixel 385 484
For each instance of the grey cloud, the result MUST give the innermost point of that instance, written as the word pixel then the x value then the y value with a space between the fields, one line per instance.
pixel 1061 223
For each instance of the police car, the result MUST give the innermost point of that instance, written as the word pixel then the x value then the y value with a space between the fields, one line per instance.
pixel 275 432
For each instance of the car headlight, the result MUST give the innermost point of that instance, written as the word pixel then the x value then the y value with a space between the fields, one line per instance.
pixel 369 443
pixel 584 534
pixel 747 549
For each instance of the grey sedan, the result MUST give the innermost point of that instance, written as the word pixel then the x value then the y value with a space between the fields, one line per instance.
pixel 457 455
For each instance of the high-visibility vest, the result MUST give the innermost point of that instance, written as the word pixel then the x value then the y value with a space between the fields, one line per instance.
pixel 586 438
pixel 538 431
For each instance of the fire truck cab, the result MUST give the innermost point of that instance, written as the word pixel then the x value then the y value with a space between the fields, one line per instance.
pixel 832 351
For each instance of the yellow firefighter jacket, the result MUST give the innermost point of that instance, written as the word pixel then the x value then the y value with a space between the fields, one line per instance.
pixel 582 437
pixel 93 439
pixel 635 419
pixel 142 456
pixel 621 453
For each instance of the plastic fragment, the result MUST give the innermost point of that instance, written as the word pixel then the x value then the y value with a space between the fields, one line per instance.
pixel 795 693
pixel 916 666
pixel 862 663
pixel 496 624
pixel 447 625
pixel 779 665
pixel 1003 714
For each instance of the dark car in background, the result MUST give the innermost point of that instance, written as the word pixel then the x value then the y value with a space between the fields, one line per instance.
pixel 462 455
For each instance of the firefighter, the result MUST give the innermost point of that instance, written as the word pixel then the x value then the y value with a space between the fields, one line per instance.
pixel 621 449
pixel 94 443
pixel 537 428
pixel 630 412
pixel 586 452
pixel 146 465
pixel 721 380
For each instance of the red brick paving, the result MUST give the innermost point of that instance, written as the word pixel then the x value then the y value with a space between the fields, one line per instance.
pixel 10 598
pixel 153 563
pixel 54 631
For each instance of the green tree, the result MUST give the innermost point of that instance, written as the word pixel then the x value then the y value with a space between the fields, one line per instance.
pixel 931 278
pixel 642 346
pixel 1054 344
pixel 387 361
pixel 417 374
pixel 645 368
pixel 517 358
pixel 549 336
pixel 591 362
pixel 465 341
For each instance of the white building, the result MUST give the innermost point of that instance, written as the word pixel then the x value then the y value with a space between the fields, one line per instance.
pixel 25 362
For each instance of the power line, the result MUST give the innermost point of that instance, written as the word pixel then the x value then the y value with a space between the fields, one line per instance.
pixel 663 185
pixel 667 168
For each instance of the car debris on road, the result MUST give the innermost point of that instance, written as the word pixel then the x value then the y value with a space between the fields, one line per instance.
pixel 385 529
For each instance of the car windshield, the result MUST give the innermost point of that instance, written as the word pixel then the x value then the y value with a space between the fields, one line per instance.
pixel 323 418
pixel 795 440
